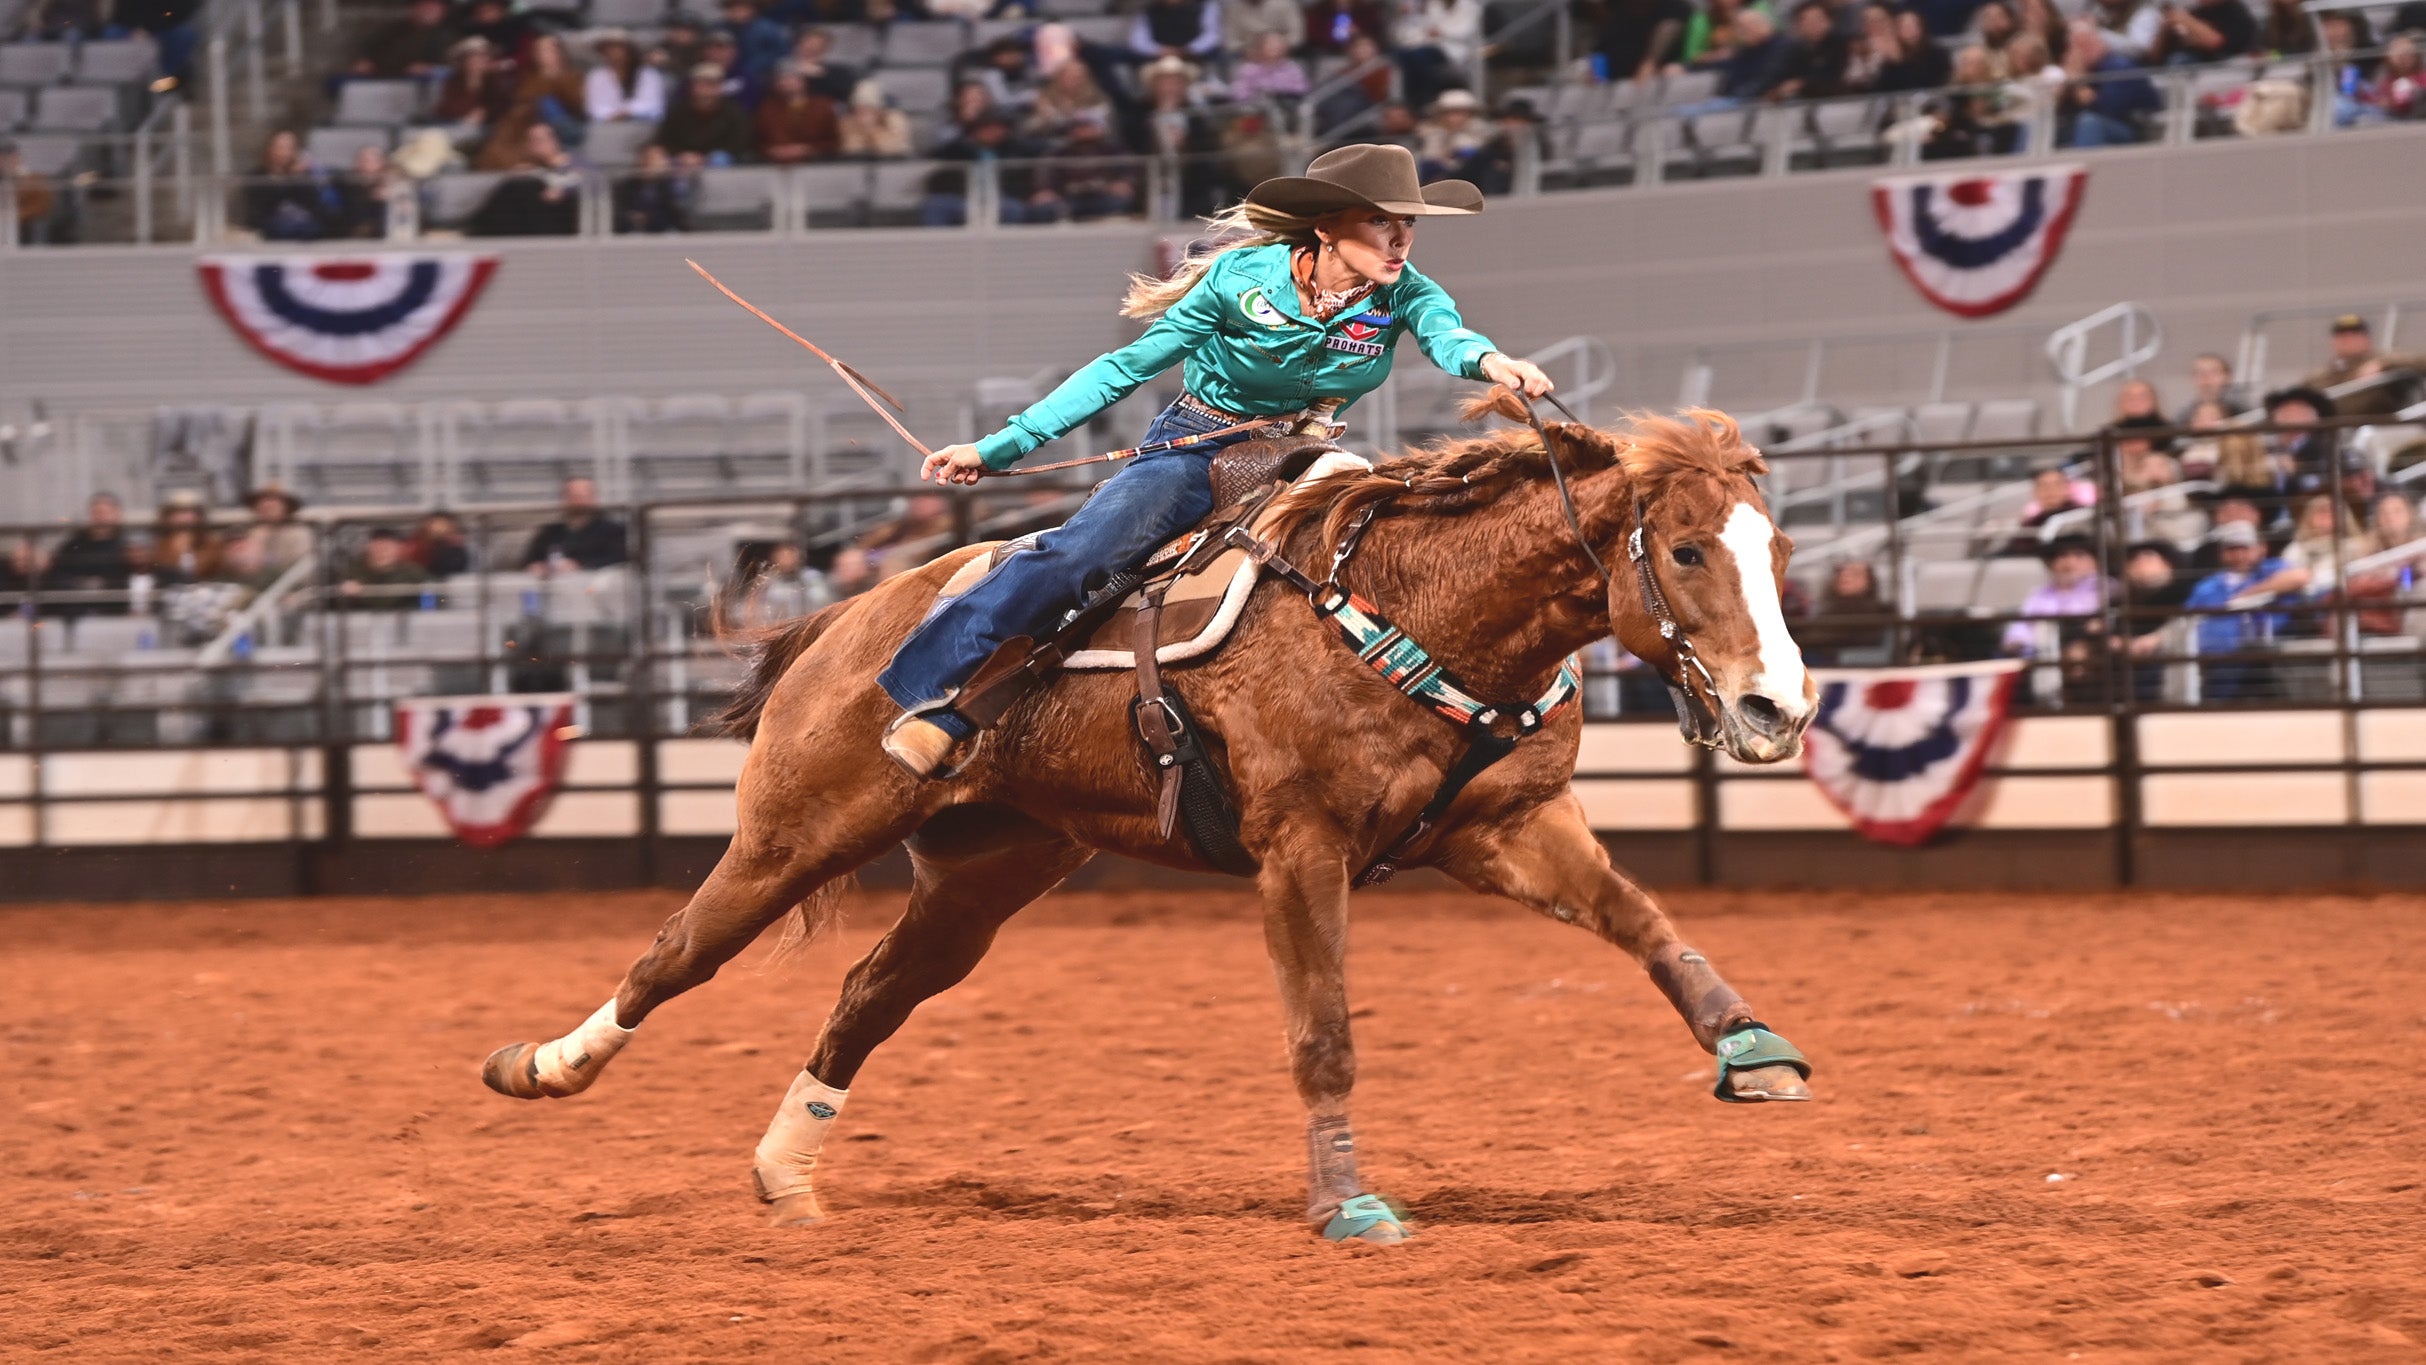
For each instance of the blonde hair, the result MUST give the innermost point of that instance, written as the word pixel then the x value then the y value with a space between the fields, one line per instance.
pixel 1246 225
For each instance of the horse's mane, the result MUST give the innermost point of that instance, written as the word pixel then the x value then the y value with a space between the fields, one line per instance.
pixel 1462 473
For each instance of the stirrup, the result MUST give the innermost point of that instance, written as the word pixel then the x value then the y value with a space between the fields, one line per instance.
pixel 924 752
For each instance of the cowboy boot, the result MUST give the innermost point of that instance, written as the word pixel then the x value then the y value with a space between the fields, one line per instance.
pixel 919 745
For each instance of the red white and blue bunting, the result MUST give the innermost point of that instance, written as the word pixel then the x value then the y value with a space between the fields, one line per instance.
pixel 1976 244
pixel 346 319
pixel 1898 749
pixel 491 764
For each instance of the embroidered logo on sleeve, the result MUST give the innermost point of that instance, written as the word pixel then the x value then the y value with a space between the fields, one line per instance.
pixel 1260 309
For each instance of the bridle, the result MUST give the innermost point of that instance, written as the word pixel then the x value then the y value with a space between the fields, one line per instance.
pixel 1698 708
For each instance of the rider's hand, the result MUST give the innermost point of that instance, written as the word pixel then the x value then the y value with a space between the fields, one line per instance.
pixel 1521 375
pixel 954 464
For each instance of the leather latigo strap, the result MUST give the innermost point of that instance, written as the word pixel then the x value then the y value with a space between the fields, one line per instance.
pixel 1157 724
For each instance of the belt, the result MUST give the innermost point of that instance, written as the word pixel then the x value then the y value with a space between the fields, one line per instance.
pixel 1191 403
pixel 1312 419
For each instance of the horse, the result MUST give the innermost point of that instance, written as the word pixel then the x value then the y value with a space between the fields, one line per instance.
pixel 1492 550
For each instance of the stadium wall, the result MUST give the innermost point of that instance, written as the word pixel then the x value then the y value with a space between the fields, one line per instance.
pixel 2205 233
pixel 2277 799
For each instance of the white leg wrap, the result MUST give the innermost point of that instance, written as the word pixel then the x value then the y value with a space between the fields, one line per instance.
pixel 788 1153
pixel 568 1065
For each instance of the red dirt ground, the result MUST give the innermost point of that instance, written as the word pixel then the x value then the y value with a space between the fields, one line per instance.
pixel 254 1130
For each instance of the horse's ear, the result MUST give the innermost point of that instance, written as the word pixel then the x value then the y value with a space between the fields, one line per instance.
pixel 1495 400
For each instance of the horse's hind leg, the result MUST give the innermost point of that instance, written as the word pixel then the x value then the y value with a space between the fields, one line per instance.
pixel 764 873
pixel 975 866
pixel 1548 859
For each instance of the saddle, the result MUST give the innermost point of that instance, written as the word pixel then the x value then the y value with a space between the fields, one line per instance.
pixel 1180 605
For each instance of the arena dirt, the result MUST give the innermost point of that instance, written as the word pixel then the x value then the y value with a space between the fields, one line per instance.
pixel 2049 1128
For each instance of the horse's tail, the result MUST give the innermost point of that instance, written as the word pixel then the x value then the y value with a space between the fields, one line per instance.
pixel 775 649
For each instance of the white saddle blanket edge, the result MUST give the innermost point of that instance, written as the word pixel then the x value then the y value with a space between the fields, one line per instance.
pixel 1233 598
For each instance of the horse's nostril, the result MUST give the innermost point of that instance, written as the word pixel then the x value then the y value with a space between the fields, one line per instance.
pixel 1762 714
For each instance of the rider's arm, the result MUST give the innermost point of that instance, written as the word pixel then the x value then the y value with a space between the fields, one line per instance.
pixel 1111 377
pixel 1427 310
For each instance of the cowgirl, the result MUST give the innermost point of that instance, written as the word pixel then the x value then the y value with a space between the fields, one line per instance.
pixel 1299 314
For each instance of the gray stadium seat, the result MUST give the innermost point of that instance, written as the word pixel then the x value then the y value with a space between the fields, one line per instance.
pixel 917 89
pixel 1940 423
pixel 111 636
pixel 924 44
pixel 76 109
pixel 121 61
pixel 34 63
pixel 450 199
pixel 854 45
pixel 377 104
pixel 617 143
pixel 679 444
pixel 769 441
pixel 1074 9
pixel 1112 30
pixel 1688 87
pixel 522 449
pixel 2004 582
pixel 897 188
pixel 626 13
pixel 735 199
pixel 350 453
pixel 2006 419
pixel 836 192
pixel 50 154
pixel 1604 152
pixel 1842 127
pixel 12 109
pixel 334 148
pixel 987 30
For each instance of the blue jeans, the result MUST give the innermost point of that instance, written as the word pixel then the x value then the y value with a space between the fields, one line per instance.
pixel 1134 513
pixel 2093 129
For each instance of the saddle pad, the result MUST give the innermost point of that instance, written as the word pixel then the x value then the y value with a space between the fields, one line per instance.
pixel 1198 611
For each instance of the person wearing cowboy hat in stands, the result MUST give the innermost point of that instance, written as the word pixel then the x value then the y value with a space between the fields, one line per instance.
pixel 283 540
pixel 1294 317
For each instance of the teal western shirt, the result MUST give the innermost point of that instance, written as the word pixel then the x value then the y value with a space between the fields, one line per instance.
pixel 1251 350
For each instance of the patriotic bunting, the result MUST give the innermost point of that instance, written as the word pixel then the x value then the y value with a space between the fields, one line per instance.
pixel 345 319
pixel 1976 244
pixel 490 763
pixel 1897 749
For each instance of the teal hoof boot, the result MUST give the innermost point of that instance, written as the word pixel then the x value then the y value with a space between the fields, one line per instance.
pixel 1756 1066
pixel 1365 1218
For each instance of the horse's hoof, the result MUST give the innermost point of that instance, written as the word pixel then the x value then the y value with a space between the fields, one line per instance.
pixel 794 1211
pixel 1365 1218
pixel 1765 1083
pixel 513 1071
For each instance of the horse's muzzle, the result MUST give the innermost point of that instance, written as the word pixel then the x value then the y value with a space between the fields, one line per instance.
pixel 1757 728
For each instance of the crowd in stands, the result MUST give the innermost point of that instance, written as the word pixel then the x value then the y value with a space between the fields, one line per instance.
pixel 194 571
pixel 2251 531
pixel 2000 63
pixel 168 23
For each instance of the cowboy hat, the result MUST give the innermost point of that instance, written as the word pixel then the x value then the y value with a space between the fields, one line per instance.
pixel 1369 176
pixel 274 490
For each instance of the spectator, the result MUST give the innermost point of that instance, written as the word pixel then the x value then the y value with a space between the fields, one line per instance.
pixel 36 201
pixel 2209 31
pixel 2130 26
pixel 2318 547
pixel 2227 511
pixel 1760 60
pixel 290 200
pixel 550 92
pixel 786 587
pixel 1814 64
pixel 507 33
pixel 2052 493
pixel 2394 520
pixel 2395 91
pixel 1919 63
pixel 703 128
pixel 1493 169
pixel 94 560
pixel 989 138
pixel 284 540
pixel 1976 116
pixel 2041 17
pixel 2136 405
pixel 621 86
pixel 475 95
pixel 812 53
pixel 2145 465
pixel 2108 105
pixel 2355 358
pixel 1710 36
pixel 2035 79
pixel 2154 593
pixel 1332 24
pixel 1070 93
pixel 1992 28
pixel 2074 588
pixel 1244 21
pixel 244 567
pixel 1176 28
pixel 654 197
pixel 2244 573
pixel 1870 51
pixel 21 571
pixel 1851 615
pixel 184 548
pixel 580 538
pixel 383 577
pixel 2202 455
pixel 171 26
pixel 2286 30
pixel 795 123
pixel 721 52
pixel 1355 98
pixel 2211 381
pixel 1268 71
pixel 413 47
pixel 683 45
pixel 438 546
pixel 1397 126
pixel 759 41
pixel 365 194
pixel 1002 69
pixel 1170 125
pixel 872 128
pixel 542 198
pixel 1454 133
pixel 2307 457
pixel 66 21
pixel 1436 41
pixel 1640 37
pixel 1091 177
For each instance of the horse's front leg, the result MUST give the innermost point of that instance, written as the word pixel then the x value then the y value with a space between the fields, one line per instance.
pixel 1305 887
pixel 1547 858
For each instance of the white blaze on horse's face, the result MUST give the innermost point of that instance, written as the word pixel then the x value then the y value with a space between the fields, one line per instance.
pixel 1780 679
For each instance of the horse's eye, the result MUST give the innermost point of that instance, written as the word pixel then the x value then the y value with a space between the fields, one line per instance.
pixel 1686 555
